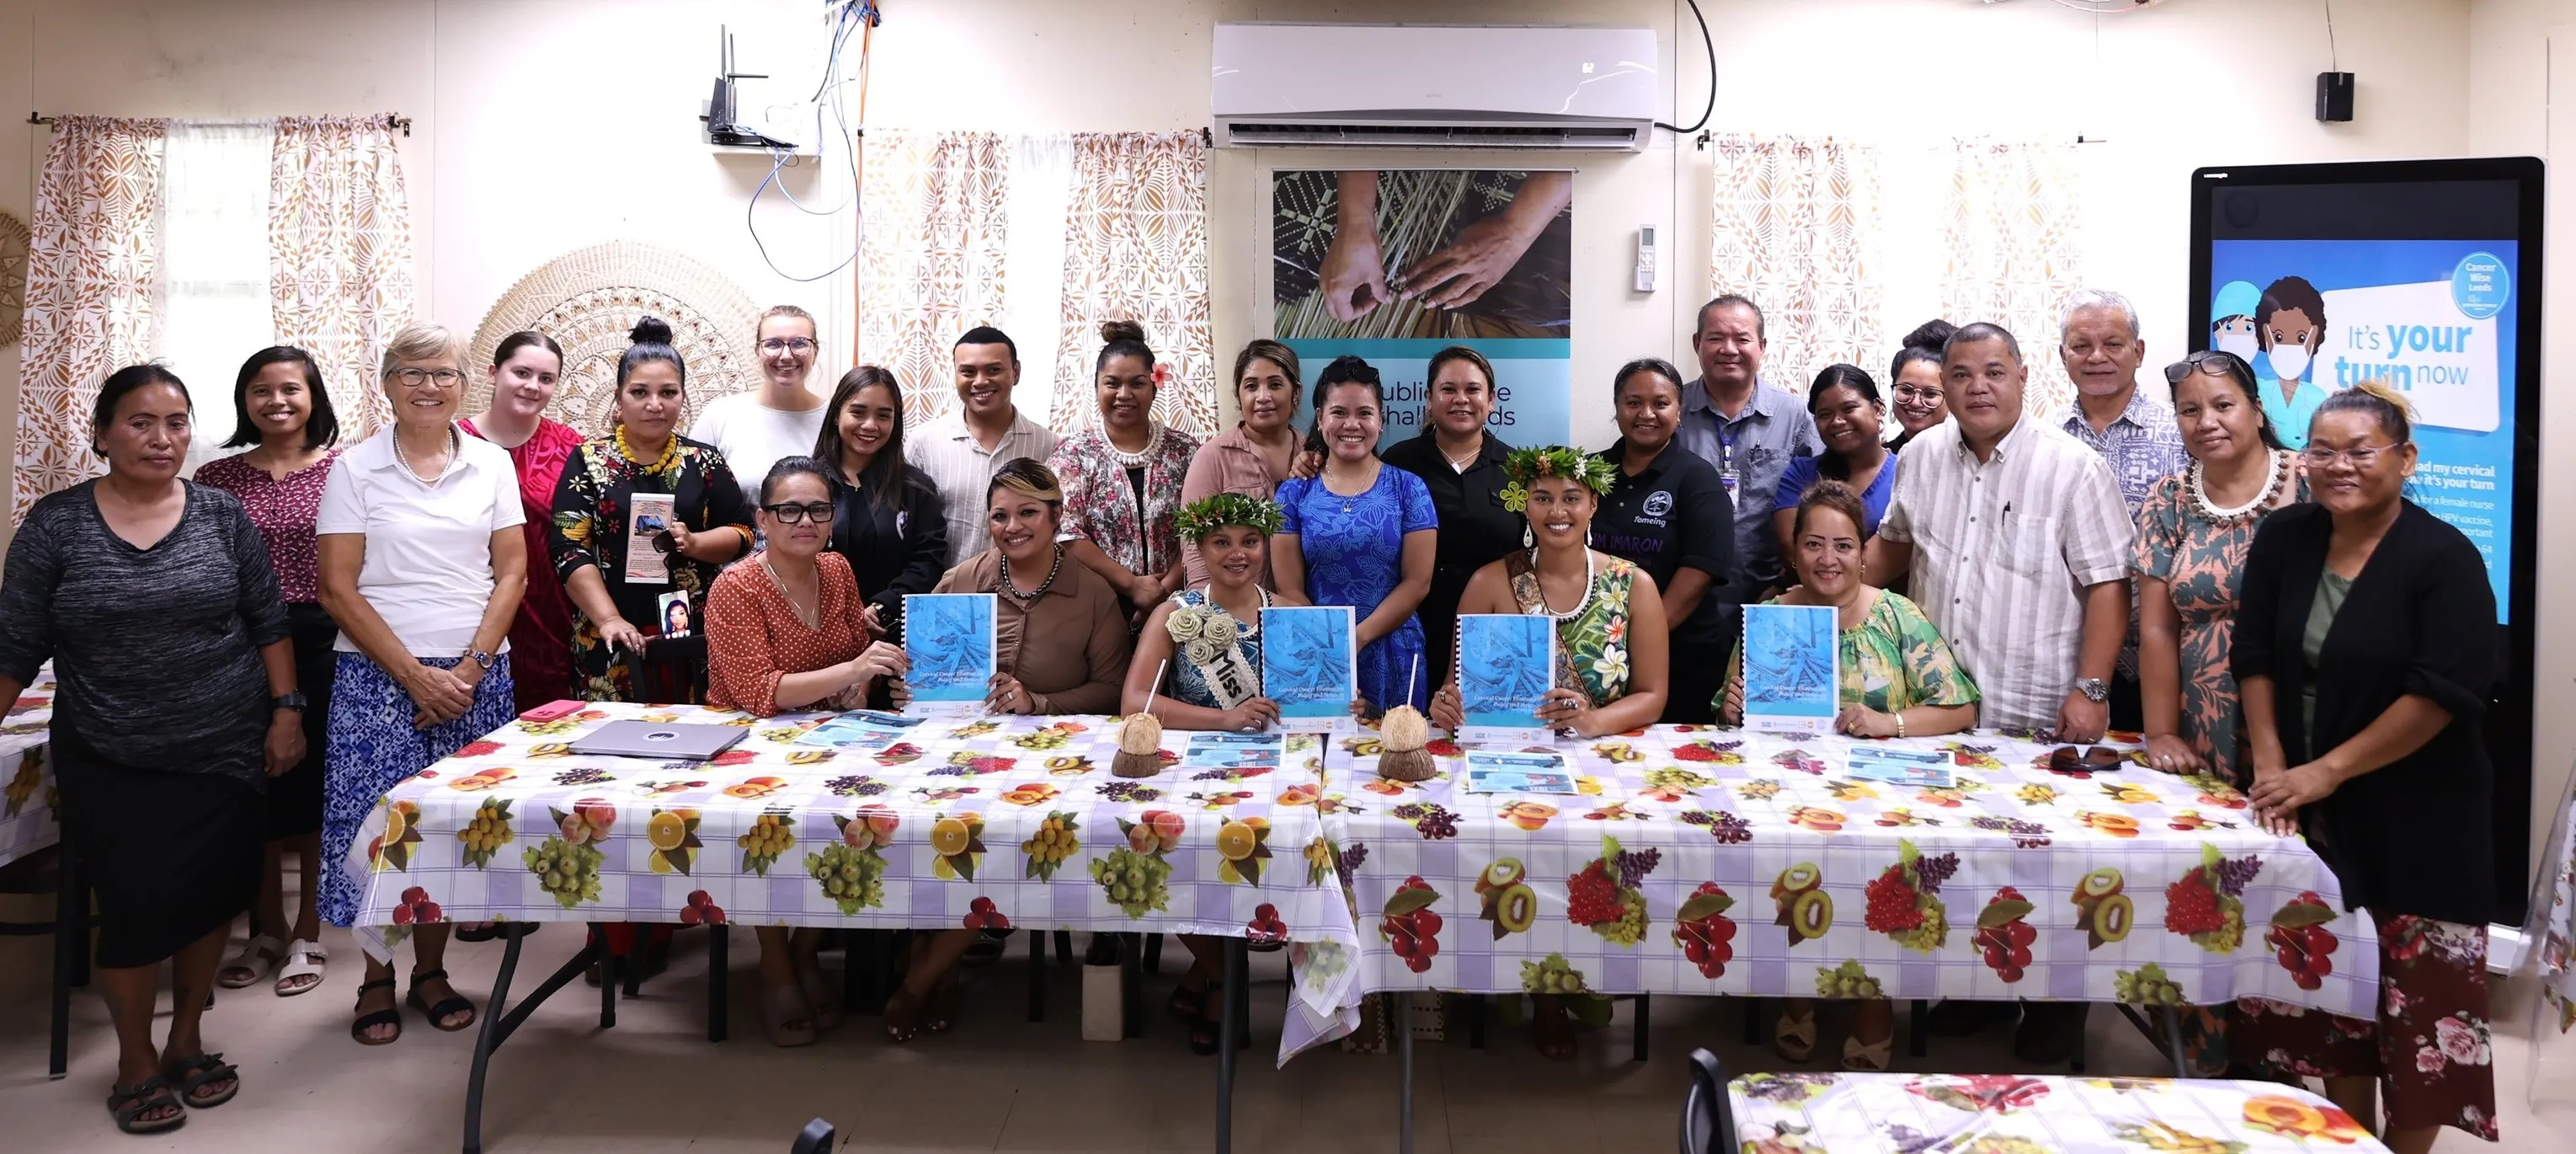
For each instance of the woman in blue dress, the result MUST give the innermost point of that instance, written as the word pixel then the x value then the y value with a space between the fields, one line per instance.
pixel 1848 411
pixel 1361 534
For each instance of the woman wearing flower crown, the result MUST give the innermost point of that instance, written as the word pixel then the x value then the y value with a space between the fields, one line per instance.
pixel 1611 661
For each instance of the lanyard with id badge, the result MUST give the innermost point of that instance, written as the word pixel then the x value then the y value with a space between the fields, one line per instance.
pixel 1726 459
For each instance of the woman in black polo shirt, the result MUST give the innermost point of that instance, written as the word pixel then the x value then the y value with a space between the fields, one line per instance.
pixel 1462 465
pixel 1667 512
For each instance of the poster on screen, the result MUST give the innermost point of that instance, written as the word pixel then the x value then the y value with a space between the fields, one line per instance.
pixel 1395 265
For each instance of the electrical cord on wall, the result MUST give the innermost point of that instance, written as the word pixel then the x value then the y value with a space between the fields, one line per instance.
pixel 1711 47
pixel 863 16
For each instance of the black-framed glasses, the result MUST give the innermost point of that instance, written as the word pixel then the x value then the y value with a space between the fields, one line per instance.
pixel 787 345
pixel 443 378
pixel 790 513
pixel 2213 362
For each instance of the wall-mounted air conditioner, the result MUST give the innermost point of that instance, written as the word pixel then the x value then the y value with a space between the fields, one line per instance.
pixel 1434 86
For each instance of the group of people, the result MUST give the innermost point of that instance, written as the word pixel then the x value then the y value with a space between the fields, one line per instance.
pixel 325 622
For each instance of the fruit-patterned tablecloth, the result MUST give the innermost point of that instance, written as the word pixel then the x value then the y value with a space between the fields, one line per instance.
pixel 1799 1113
pixel 27 821
pixel 1705 861
pixel 1012 821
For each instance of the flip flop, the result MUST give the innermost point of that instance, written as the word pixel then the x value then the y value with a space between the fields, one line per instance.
pixel 193 1073
pixel 130 1103
pixel 303 960
pixel 257 957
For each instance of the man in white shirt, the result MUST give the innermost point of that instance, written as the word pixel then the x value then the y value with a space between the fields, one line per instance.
pixel 962 451
pixel 2099 342
pixel 781 418
pixel 2016 542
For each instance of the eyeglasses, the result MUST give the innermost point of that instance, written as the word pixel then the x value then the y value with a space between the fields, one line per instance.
pixel 798 345
pixel 794 514
pixel 2214 362
pixel 443 378
pixel 2362 458
pixel 1918 392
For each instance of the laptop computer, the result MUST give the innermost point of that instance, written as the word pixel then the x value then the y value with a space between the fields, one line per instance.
pixel 666 740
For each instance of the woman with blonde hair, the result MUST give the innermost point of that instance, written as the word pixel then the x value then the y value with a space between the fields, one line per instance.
pixel 781 417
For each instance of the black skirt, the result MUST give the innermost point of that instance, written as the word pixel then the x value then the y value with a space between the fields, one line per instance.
pixel 295 797
pixel 171 856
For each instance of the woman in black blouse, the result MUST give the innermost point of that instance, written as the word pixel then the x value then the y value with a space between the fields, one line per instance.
pixel 155 600
pixel 1667 511
pixel 2366 648
pixel 888 520
pixel 1462 465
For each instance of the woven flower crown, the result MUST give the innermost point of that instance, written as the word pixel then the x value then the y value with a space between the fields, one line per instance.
pixel 1526 465
pixel 1207 515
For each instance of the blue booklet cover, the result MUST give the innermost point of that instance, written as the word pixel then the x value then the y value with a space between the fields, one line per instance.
pixel 948 638
pixel 1490 771
pixel 1311 667
pixel 863 729
pixel 1236 751
pixel 1792 667
pixel 1506 664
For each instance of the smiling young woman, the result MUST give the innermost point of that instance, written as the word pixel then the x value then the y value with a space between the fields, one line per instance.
pixel 1668 512
pixel 1848 412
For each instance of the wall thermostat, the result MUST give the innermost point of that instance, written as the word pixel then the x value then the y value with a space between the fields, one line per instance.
pixel 1646 259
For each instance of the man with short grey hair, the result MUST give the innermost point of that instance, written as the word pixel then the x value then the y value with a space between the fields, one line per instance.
pixel 2136 435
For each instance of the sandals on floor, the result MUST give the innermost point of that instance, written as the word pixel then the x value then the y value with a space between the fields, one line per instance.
pixel 783 1017
pixel 193 1073
pixel 452 1005
pixel 304 959
pixel 1794 1039
pixel 130 1103
pixel 257 957
pixel 1868 1058
pixel 368 1021
pixel 1186 1002
pixel 902 1017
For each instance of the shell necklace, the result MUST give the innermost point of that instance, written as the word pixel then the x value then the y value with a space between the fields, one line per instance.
pixel 2198 479
pixel 1141 457
pixel 1579 606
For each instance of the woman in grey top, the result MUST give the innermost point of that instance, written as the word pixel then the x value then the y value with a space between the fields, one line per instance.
pixel 155 601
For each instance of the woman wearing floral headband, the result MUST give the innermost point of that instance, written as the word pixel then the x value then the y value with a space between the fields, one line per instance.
pixel 1611 661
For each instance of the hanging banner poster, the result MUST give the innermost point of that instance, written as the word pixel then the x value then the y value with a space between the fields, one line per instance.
pixel 1395 265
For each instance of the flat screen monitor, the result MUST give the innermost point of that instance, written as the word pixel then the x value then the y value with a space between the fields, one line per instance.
pixel 2424 275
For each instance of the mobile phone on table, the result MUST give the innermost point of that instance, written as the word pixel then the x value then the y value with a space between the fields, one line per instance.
pixel 551 711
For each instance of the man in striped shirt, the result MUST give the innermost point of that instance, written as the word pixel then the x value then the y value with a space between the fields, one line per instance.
pixel 961 451
pixel 2015 540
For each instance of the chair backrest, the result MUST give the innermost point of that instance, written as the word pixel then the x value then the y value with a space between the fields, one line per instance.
pixel 670 671
pixel 1708 1118
pixel 817 1139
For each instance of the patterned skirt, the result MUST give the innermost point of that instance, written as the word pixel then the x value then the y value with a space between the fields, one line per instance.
pixel 374 747
pixel 2429 1047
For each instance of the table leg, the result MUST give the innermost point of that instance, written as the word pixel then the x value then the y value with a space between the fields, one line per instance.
pixel 1475 1021
pixel 1153 953
pixel 1064 947
pixel 1131 987
pixel 1399 1008
pixel 487 1039
pixel 1638 1045
pixel 608 967
pixel 719 981
pixel 1918 1027
pixel 1229 1025
pixel 71 943
pixel 1752 1021
pixel 1037 975
pixel 2173 1040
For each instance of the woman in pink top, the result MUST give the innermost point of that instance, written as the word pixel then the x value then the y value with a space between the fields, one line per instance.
pixel 1253 457
pixel 282 413
pixel 525 369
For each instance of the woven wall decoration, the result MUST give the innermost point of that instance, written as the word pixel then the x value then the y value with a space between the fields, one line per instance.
pixel 589 298
pixel 13 279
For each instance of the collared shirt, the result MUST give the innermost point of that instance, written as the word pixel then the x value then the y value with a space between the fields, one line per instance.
pixel 2003 551
pixel 962 470
pixel 1068 647
pixel 428 570
pixel 1754 447
pixel 1228 463
pixel 2142 445
pixel 1671 515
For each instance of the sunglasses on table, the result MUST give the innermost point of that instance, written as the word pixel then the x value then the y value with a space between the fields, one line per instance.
pixel 2095 758
pixel 789 513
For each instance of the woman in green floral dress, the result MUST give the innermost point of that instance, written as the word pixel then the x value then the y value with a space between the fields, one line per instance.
pixel 1899 679
pixel 1611 663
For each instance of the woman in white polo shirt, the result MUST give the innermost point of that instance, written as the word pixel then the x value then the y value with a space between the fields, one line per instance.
pixel 423 565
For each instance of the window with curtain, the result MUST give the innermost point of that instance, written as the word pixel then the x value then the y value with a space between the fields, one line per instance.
pixel 214 266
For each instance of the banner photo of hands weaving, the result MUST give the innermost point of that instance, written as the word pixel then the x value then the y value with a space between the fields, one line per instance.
pixel 1393 266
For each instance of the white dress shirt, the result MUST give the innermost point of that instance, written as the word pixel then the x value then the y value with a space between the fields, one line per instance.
pixel 428 570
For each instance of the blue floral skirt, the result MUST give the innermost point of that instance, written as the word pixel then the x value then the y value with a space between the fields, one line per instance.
pixel 373 747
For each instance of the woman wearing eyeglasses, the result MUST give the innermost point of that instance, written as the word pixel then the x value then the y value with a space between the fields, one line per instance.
pixel 422 564
pixel 789 632
pixel 782 417
pixel 642 485
pixel 2367 647
pixel 1915 377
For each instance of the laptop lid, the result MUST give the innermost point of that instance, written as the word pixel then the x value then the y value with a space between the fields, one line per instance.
pixel 669 740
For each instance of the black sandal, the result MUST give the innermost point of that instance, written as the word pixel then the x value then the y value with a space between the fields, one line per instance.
pixel 130 1104
pixel 1186 1002
pixel 191 1074
pixel 358 1029
pixel 1204 1031
pixel 438 1014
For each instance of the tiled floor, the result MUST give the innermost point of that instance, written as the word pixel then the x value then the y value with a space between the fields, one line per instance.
pixel 998 1083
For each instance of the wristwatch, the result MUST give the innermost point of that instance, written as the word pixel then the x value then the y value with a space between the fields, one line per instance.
pixel 2094 689
pixel 294 701
pixel 484 661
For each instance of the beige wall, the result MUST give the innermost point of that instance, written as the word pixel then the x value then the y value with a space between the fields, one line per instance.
pixel 545 125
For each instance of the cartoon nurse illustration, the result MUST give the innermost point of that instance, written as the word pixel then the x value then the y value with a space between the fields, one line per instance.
pixel 2289 325
pixel 2231 320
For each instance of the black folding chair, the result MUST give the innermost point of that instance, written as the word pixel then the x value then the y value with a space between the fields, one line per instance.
pixel 1708 1117
pixel 50 871
pixel 816 1139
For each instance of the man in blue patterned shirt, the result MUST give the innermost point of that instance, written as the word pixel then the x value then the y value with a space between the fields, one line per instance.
pixel 2137 435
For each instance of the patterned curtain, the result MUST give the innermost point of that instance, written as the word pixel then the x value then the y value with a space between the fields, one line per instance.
pixel 340 255
pixel 2009 228
pixel 1796 230
pixel 1136 248
pixel 932 236
pixel 91 267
